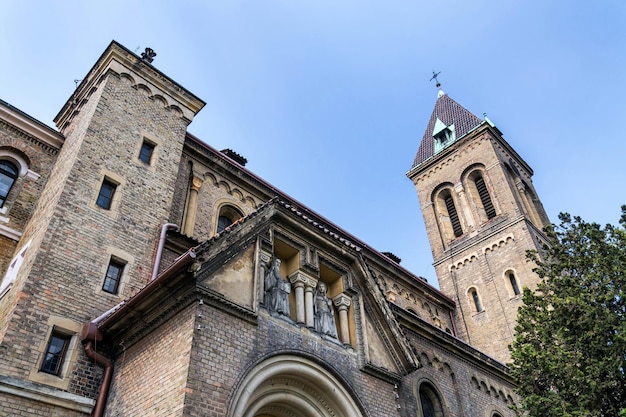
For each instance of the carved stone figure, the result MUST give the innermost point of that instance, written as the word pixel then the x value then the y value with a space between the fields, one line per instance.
pixel 324 312
pixel 277 290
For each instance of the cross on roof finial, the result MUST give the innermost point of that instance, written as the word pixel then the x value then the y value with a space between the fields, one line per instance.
pixel 434 77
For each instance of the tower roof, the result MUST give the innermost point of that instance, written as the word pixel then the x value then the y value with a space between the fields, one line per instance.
pixel 447 113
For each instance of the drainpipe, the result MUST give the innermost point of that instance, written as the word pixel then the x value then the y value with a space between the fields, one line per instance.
pixel 157 258
pixel 106 378
pixel 91 333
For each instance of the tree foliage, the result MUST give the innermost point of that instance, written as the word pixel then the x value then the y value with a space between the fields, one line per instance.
pixel 569 355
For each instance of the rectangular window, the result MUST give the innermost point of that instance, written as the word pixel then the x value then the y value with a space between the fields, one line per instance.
pixel 55 353
pixel 113 276
pixel 145 153
pixel 105 196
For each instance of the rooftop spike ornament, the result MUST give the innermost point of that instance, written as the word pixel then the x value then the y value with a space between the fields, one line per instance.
pixel 148 55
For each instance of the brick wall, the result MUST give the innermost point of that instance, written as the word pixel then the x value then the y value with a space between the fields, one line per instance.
pixel 12 406
pixel 465 389
pixel 225 339
pixel 72 238
pixel 487 249
pixel 150 376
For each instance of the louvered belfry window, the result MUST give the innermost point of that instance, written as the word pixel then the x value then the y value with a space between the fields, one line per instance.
pixel 485 198
pixel 454 217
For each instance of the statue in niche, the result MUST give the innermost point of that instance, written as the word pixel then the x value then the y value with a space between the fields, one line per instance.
pixel 277 290
pixel 324 312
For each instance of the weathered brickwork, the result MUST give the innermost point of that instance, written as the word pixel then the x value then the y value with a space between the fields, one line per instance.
pixel 39 158
pixel 198 340
pixel 464 388
pixel 473 267
pixel 34 157
pixel 212 386
pixel 11 406
pixel 150 376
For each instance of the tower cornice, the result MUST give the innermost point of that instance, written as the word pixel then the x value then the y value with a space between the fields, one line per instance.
pixel 119 60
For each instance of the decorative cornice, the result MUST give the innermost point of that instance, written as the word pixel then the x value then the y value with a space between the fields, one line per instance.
pixel 45 145
pixel 32 128
pixel 122 61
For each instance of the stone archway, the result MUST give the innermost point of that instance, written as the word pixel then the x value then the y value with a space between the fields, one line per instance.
pixel 292 386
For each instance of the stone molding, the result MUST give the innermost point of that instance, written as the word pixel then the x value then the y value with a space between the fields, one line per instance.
pixel 44 394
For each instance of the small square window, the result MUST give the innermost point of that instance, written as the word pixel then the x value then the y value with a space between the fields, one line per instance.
pixel 105 196
pixel 113 276
pixel 145 153
pixel 55 353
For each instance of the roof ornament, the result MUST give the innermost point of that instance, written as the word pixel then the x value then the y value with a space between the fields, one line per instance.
pixel 437 83
pixel 434 77
pixel 148 55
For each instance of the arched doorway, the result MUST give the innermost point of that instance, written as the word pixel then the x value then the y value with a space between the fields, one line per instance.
pixel 290 386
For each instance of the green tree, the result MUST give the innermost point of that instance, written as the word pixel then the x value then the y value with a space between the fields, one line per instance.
pixel 569 354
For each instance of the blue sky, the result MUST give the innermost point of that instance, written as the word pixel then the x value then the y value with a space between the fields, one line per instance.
pixel 328 100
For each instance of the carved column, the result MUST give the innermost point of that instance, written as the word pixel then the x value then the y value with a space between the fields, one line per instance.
pixel 192 206
pixel 309 288
pixel 299 281
pixel 342 302
pixel 467 213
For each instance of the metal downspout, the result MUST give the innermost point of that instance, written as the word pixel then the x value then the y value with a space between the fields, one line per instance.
pixel 159 254
pixel 106 378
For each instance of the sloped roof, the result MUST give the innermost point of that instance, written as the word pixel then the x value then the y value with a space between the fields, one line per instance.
pixel 449 112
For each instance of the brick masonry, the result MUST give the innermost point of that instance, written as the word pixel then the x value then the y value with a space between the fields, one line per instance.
pixel 195 361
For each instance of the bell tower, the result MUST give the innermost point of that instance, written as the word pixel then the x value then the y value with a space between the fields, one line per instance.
pixel 482 214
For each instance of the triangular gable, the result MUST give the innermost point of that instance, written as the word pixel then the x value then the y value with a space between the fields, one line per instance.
pixel 385 351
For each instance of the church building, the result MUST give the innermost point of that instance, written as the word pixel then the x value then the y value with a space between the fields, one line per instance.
pixel 145 273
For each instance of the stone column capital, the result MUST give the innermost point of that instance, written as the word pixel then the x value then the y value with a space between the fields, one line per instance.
pixel 196 183
pixel 265 257
pixel 342 301
pixel 298 278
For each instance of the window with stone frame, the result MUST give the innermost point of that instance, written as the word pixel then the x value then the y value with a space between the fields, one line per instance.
pixel 475 300
pixel 55 353
pixel 8 175
pixel 106 194
pixel 227 215
pixel 113 276
pixel 146 151
pixel 430 403
pixel 514 285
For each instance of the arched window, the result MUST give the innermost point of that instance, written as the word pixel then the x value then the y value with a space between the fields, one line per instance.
pixel 228 215
pixel 479 191
pixel 454 217
pixel 430 402
pixel 8 175
pixel 447 208
pixel 484 196
pixel 513 282
pixel 476 300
